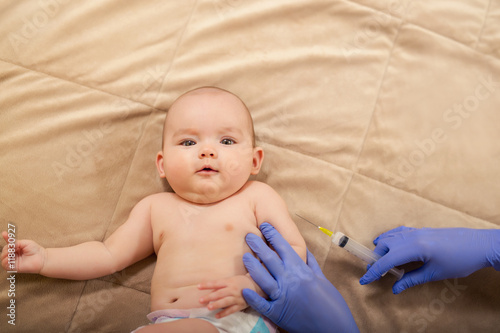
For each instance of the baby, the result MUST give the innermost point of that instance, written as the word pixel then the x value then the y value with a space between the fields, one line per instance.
pixel 198 232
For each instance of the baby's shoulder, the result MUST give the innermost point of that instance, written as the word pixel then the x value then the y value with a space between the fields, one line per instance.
pixel 161 198
pixel 254 187
pixel 264 198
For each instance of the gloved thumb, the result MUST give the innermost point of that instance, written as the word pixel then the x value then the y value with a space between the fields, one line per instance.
pixel 255 301
pixel 313 264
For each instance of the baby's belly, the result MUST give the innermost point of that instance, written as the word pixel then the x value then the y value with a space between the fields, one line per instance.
pixel 186 297
pixel 176 278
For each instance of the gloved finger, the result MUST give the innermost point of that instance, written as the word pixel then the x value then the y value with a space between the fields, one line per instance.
pixel 392 233
pixel 313 264
pixel 259 274
pixel 395 257
pixel 280 245
pixel 382 248
pixel 256 302
pixel 369 277
pixel 382 266
pixel 411 279
pixel 273 263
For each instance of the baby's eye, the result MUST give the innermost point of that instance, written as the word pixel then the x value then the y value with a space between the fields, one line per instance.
pixel 227 142
pixel 188 143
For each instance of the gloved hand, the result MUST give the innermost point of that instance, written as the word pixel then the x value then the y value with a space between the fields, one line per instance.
pixel 446 253
pixel 301 299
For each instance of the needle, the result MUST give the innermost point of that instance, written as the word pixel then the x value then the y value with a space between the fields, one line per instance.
pixel 326 231
pixel 355 248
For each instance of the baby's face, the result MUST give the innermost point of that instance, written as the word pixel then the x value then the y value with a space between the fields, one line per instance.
pixel 208 151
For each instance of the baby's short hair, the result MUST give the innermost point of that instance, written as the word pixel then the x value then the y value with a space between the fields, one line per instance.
pixel 216 89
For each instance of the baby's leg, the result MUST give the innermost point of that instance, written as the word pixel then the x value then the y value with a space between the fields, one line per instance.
pixel 188 325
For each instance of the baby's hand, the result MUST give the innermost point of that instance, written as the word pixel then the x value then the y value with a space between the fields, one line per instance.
pixel 29 256
pixel 226 294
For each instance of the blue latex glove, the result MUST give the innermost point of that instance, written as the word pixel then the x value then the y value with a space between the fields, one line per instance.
pixel 446 253
pixel 301 299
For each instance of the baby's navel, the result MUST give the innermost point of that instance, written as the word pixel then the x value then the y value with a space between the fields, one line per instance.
pixel 229 227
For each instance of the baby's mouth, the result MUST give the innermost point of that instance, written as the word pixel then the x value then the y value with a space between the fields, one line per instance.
pixel 207 169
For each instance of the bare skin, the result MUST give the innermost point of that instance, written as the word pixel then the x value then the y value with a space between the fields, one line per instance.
pixel 198 232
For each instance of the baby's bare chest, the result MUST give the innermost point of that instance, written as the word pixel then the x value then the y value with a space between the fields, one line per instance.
pixel 219 225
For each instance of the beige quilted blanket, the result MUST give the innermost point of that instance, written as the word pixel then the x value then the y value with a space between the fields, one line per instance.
pixel 372 114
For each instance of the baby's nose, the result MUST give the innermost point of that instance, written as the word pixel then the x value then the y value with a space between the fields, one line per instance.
pixel 208 151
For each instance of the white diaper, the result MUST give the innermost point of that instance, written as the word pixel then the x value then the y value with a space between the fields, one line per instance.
pixel 247 321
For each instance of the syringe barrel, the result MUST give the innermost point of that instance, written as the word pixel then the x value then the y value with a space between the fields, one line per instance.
pixel 361 251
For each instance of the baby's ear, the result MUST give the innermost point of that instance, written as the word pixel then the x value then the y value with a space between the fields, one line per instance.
pixel 159 164
pixel 258 157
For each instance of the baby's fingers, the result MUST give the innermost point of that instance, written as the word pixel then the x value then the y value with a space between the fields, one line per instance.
pixel 5 236
pixel 215 295
pixel 217 284
pixel 228 311
pixel 5 261
pixel 222 303
pixel 4 256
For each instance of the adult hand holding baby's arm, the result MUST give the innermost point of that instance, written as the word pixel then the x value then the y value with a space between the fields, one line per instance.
pixel 29 256
pixel 227 294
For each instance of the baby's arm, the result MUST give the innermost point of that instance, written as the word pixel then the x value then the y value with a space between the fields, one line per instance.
pixel 270 207
pixel 130 243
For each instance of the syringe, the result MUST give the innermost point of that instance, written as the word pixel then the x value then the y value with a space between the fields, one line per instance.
pixel 355 248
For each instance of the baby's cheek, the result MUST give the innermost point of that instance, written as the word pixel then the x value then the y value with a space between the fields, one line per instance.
pixel 233 167
pixel 176 174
